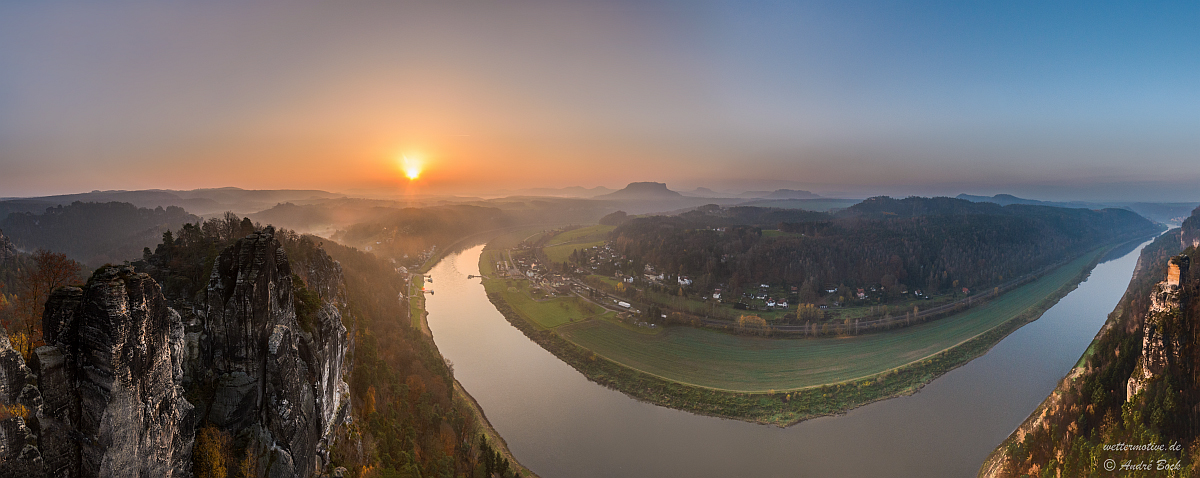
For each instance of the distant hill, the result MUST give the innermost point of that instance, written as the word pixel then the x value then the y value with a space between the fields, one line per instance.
pixel 1172 213
pixel 326 217
pixel 936 244
pixel 94 233
pixel 705 193
pixel 571 192
pixel 643 190
pixel 791 194
pixel 1006 199
pixel 199 201
pixel 818 204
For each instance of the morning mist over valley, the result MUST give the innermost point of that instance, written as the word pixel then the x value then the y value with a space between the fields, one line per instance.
pixel 599 239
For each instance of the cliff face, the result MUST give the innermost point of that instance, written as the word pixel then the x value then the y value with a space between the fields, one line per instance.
pixel 20 397
pixel 7 250
pixel 1164 337
pixel 273 375
pixel 1190 231
pixel 1137 384
pixel 107 395
pixel 111 380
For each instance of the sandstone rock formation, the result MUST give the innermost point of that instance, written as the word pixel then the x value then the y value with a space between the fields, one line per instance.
pixel 107 395
pixel 1190 231
pixel 1162 338
pixel 111 380
pixel 8 251
pixel 272 375
pixel 20 398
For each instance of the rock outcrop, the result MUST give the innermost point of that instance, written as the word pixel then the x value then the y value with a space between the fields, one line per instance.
pixel 274 376
pixel 1190 230
pixel 111 380
pixel 19 399
pixel 107 395
pixel 1162 334
pixel 8 251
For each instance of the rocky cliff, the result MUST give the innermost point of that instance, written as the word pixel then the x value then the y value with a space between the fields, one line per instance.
pixel 1190 231
pixel 111 380
pixel 19 399
pixel 7 250
pixel 271 374
pixel 125 382
pixel 1164 340
pixel 1138 383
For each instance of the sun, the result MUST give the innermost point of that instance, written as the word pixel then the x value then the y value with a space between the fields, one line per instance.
pixel 412 167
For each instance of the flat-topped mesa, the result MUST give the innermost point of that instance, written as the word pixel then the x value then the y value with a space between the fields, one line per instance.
pixel 273 374
pixel 1164 330
pixel 111 380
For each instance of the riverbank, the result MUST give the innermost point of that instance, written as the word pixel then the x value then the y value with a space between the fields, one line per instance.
pixel 785 406
pixel 464 399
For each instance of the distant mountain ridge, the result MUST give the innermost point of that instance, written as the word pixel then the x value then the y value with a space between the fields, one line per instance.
pixel 1166 213
pixel 196 201
pixel 791 194
pixel 572 192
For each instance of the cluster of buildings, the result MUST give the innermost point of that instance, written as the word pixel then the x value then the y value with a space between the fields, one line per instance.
pixel 539 277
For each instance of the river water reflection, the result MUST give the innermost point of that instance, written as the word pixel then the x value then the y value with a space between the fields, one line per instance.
pixel 559 424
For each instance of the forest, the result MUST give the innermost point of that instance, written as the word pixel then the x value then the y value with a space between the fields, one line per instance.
pixel 93 233
pixel 934 244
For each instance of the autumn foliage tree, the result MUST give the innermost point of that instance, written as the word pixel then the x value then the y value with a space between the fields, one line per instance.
pixel 34 284
pixel 213 453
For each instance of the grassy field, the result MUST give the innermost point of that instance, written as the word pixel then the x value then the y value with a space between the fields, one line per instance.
pixel 416 302
pixel 559 248
pixel 562 252
pixel 778 233
pixel 581 235
pixel 547 314
pixel 729 362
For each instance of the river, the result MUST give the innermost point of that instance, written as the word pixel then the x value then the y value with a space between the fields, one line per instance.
pixel 559 424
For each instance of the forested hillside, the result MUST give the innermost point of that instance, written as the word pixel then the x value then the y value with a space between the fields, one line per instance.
pixel 916 243
pixel 409 232
pixel 94 233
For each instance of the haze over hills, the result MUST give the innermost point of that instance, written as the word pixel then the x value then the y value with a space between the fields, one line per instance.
pixel 1166 213
pixel 196 201
pixel 572 191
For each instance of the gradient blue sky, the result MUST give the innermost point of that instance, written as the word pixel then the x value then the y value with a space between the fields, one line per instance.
pixel 1054 100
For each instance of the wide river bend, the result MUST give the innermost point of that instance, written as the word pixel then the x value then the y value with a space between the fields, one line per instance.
pixel 559 424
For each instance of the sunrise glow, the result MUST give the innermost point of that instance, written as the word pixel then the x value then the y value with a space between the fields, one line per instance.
pixel 411 167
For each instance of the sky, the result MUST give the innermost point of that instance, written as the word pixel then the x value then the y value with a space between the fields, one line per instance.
pixel 1051 100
